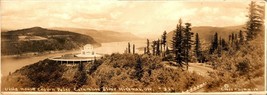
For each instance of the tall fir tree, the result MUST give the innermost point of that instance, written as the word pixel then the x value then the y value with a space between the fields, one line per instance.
pixel 187 43
pixel 139 69
pixel 158 47
pixel 224 44
pixel 145 52
pixel 133 49
pixel 129 47
pixel 164 41
pixel 177 44
pixel 233 38
pixel 147 46
pixel 197 48
pixel 154 44
pixel 229 38
pixel 214 44
pixel 219 50
pixel 255 20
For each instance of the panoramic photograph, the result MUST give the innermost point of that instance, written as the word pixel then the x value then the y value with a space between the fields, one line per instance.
pixel 128 46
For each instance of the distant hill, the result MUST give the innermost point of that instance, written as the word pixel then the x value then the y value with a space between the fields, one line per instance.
pixel 206 32
pixel 4 30
pixel 37 39
pixel 103 35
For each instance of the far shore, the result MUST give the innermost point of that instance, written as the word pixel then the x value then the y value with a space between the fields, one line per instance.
pixel 32 54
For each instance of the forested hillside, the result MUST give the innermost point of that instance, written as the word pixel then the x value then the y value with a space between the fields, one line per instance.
pixel 130 72
pixel 37 40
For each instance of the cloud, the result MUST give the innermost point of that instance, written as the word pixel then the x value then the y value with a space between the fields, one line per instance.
pixel 143 18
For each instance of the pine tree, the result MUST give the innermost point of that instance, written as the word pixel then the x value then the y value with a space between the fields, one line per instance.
pixel 256 20
pixel 233 38
pixel 224 45
pixel 129 47
pixel 158 47
pixel 145 50
pixel 80 67
pixel 177 43
pixel 197 48
pixel 139 69
pixel 214 44
pixel 164 41
pixel 154 44
pixel 187 43
pixel 133 49
pixel 261 11
pixel 219 51
pixel 147 47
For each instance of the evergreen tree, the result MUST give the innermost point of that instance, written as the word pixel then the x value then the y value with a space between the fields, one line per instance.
pixel 197 48
pixel 164 40
pixel 241 38
pixel 139 69
pixel 133 49
pixel 224 45
pixel 80 67
pixel 80 76
pixel 256 20
pixel 154 44
pixel 214 44
pixel 233 38
pixel 261 11
pixel 158 47
pixel 187 42
pixel 129 47
pixel 147 47
pixel 177 44
pixel 219 51
pixel 145 50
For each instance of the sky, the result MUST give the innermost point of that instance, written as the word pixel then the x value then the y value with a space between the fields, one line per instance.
pixel 142 18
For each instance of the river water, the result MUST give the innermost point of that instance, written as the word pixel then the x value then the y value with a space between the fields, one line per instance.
pixel 11 64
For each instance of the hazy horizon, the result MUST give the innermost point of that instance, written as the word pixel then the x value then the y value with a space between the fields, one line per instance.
pixel 142 18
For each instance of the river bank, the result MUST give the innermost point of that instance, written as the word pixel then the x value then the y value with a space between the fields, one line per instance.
pixel 31 54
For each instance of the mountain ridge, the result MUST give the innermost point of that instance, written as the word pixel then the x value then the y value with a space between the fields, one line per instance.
pixel 102 36
pixel 206 32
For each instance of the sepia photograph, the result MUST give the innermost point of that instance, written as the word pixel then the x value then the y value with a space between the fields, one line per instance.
pixel 133 47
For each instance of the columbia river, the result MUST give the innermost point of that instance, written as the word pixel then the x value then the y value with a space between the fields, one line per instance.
pixel 11 63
